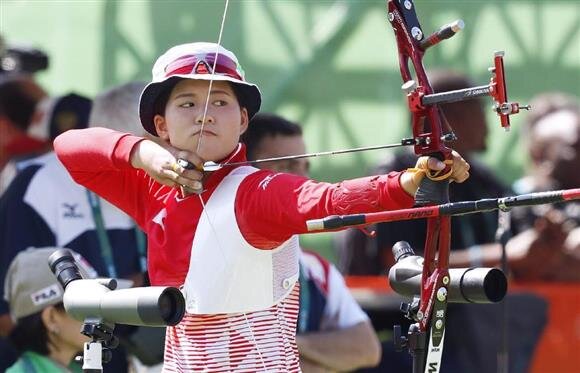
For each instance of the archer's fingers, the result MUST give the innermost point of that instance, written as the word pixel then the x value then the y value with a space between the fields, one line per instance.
pixel 172 178
pixel 191 179
pixel 433 163
pixel 185 173
pixel 464 176
pixel 193 185
pixel 167 177
pixel 460 168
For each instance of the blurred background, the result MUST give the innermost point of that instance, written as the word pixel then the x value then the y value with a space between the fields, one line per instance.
pixel 329 65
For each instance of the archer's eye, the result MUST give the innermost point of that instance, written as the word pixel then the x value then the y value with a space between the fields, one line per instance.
pixel 187 104
pixel 220 103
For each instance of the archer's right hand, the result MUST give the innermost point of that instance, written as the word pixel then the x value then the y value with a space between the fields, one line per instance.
pixel 161 163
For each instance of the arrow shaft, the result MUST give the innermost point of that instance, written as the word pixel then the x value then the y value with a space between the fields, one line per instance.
pixel 216 166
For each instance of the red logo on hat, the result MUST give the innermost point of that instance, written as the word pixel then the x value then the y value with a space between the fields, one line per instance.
pixel 202 68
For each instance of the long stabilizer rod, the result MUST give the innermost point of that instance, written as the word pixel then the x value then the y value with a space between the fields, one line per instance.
pixel 450 209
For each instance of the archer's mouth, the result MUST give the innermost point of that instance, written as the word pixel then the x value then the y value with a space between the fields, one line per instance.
pixel 204 133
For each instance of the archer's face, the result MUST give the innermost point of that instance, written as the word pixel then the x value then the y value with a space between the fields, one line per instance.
pixel 225 120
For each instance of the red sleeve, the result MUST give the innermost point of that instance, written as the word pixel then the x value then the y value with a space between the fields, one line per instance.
pixel 99 159
pixel 270 207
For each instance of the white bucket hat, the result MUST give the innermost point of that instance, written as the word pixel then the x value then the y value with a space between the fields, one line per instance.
pixel 196 61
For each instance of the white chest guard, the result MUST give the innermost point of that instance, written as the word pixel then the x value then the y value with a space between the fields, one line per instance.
pixel 228 275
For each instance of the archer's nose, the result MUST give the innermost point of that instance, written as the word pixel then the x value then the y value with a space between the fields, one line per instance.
pixel 208 119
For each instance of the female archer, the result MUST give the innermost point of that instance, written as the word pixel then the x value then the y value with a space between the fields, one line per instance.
pixel 228 238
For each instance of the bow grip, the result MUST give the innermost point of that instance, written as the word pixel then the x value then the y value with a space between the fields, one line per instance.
pixel 433 191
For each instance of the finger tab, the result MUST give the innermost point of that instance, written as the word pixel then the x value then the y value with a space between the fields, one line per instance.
pixel 186 164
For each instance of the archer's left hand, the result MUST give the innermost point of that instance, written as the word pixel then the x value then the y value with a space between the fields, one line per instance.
pixel 411 178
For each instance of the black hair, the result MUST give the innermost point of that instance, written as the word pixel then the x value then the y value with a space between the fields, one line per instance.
pixel 161 101
pixel 17 103
pixel 30 333
pixel 448 80
pixel 163 97
pixel 265 125
pixel 75 108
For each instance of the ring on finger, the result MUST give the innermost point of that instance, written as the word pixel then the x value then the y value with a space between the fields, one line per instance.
pixel 175 166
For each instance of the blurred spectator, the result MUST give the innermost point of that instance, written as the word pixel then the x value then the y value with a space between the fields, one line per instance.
pixel 116 108
pixel 334 334
pixel 19 95
pixel 52 116
pixel 13 209
pixel 551 138
pixel 546 103
pixel 361 255
pixel 471 348
pixel 46 337
pixel 546 242
pixel 547 246
pixel 43 206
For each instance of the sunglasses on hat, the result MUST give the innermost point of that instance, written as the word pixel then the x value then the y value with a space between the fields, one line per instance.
pixel 204 64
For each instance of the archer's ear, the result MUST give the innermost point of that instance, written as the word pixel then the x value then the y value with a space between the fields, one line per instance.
pixel 244 120
pixel 161 127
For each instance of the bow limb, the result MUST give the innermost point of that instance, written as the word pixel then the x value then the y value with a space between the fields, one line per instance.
pixel 428 131
pixel 431 130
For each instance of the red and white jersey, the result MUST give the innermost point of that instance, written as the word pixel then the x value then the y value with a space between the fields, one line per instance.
pixel 261 341
pixel 339 309
pixel 269 209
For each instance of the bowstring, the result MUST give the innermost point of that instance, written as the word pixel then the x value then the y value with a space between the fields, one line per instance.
pixel 249 327
pixel 219 43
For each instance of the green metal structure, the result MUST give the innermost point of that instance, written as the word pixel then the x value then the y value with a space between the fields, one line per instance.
pixel 329 65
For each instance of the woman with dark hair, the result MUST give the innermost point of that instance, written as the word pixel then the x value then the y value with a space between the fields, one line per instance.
pixel 46 337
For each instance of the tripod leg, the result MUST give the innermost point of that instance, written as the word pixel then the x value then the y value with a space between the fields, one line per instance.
pixel 417 344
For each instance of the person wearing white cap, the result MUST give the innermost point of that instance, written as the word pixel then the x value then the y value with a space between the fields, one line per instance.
pixel 45 336
pixel 227 237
